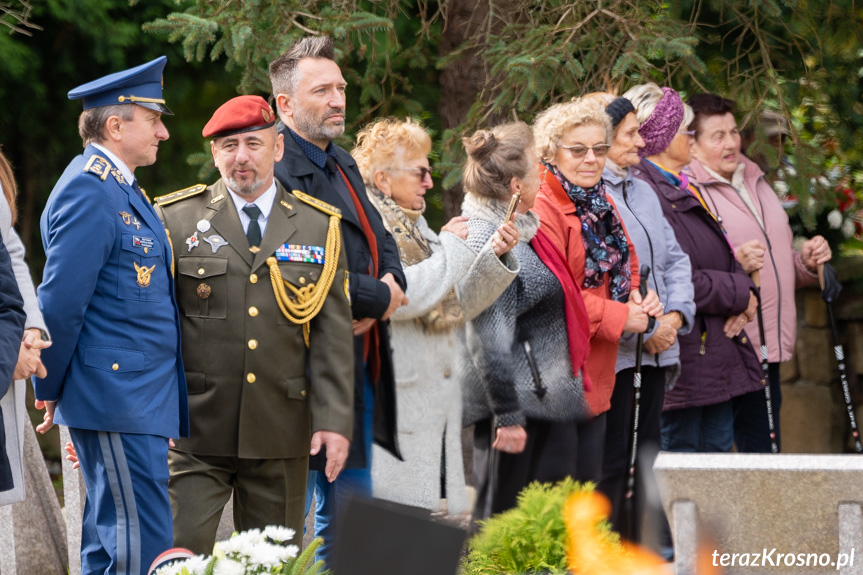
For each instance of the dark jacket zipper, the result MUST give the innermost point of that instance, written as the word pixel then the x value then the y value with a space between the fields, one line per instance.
pixel 539 389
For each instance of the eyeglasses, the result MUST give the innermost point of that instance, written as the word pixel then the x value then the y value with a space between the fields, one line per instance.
pixel 690 133
pixel 578 151
pixel 423 171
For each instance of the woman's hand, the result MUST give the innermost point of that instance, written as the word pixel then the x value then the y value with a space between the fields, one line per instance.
pixel 510 439
pixel 504 239
pixel 665 333
pixel 751 256
pixel 735 324
pixel 457 226
pixel 636 320
pixel 650 304
pixel 29 355
pixel 815 251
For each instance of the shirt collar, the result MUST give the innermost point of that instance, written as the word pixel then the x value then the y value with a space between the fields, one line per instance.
pixel 124 169
pixel 264 202
pixel 312 152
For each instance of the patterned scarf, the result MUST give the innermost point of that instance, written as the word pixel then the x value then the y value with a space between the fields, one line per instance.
pixel 414 248
pixel 605 246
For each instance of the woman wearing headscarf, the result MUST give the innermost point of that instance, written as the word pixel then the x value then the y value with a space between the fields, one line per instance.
pixel 717 362
pixel 448 283
pixel 739 195
pixel 523 356
pixel 671 278
pixel 573 140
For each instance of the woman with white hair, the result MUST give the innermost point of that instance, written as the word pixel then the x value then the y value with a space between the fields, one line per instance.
pixel 448 283
pixel 717 362
pixel 572 142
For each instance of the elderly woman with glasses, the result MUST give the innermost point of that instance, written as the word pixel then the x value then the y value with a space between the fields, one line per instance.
pixel 717 361
pixel 449 283
pixel 572 141
pixel 739 195
pixel 671 278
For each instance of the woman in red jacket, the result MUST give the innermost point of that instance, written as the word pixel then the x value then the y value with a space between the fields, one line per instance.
pixel 572 141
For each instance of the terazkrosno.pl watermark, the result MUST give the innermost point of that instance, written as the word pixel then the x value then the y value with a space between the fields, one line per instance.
pixel 773 558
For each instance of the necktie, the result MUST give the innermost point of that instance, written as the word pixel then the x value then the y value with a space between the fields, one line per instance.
pixel 253 233
pixel 138 189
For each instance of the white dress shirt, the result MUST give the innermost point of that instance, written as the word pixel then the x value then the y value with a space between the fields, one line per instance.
pixel 264 203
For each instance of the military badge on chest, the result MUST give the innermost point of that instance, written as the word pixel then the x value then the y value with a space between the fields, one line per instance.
pixel 144 273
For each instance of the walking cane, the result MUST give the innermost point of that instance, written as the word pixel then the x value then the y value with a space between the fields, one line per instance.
pixel 628 511
pixel 830 289
pixel 768 397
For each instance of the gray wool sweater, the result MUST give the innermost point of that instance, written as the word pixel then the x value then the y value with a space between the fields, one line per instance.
pixel 514 361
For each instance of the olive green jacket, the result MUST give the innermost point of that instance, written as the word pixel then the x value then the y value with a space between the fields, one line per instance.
pixel 255 390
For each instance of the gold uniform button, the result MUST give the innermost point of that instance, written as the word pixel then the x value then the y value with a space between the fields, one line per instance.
pixel 253 311
pixel 302 280
pixel 447 373
pixel 200 271
pixel 253 278
pixel 251 378
pixel 115 367
pixel 253 343
pixel 303 393
pixel 743 339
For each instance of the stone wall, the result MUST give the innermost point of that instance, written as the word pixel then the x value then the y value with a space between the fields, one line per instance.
pixel 813 415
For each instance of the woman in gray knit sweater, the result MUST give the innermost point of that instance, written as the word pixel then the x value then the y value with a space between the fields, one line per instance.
pixel 523 356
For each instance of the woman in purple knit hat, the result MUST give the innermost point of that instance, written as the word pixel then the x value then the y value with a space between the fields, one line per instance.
pixel 717 360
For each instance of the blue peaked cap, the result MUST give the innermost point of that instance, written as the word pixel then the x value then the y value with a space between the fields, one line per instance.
pixel 140 85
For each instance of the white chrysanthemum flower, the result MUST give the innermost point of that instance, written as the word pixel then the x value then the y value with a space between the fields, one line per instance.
pixel 229 567
pixel 290 552
pixel 194 565
pixel 824 182
pixel 848 228
pixel 278 533
pixel 834 218
pixel 790 171
pixel 266 555
pixel 780 187
pixel 241 542
pixel 811 203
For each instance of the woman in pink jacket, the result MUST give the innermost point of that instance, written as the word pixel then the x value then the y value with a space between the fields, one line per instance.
pixel 740 197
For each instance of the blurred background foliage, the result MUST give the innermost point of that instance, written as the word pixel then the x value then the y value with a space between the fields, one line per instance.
pixel 454 64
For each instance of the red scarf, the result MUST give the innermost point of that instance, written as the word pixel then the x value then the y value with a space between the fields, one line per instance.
pixel 577 322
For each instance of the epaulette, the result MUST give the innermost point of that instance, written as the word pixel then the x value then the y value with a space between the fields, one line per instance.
pixel 180 195
pixel 316 203
pixel 99 166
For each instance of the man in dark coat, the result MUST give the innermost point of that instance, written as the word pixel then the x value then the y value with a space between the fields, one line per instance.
pixel 310 100
pixel 11 331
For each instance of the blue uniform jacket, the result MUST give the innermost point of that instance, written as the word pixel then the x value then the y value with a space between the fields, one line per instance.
pixel 108 299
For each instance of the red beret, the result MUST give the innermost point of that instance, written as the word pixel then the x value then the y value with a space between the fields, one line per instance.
pixel 240 114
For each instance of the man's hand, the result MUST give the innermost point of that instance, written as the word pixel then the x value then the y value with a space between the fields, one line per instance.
pixel 48 418
pixel 29 355
pixel 361 326
pixel 815 251
pixel 751 255
pixel 665 333
pixel 397 295
pixel 337 451
pixel 71 455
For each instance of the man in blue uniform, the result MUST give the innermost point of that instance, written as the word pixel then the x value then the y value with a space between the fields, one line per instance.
pixel 115 375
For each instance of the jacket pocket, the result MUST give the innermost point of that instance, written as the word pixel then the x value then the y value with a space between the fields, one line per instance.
pixel 202 286
pixel 114 360
pixel 142 274
pixel 296 387
pixel 300 275
pixel 196 382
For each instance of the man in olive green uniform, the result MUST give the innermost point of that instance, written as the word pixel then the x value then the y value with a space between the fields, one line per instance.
pixel 266 335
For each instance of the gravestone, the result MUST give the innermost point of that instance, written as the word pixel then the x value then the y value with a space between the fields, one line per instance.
pixel 32 532
pixel 806 506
